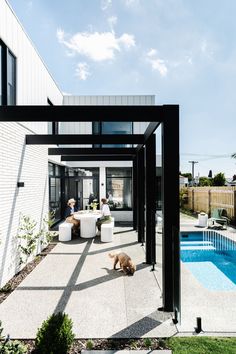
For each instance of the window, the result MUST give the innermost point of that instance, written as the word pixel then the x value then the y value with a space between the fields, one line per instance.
pixel 119 188
pixel 7 76
pixel 11 79
pixel 113 128
pixel 56 173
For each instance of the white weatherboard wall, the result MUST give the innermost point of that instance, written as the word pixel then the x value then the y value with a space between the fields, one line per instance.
pixel 20 162
pixel 34 82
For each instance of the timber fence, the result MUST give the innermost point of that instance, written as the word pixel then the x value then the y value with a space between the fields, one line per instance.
pixel 208 198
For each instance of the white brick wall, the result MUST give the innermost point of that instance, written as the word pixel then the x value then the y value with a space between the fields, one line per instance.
pixel 24 163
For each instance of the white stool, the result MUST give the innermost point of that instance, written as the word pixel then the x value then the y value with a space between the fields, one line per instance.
pixel 107 231
pixel 65 231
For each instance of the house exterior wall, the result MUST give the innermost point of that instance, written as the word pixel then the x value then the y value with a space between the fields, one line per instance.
pixel 86 128
pixel 20 162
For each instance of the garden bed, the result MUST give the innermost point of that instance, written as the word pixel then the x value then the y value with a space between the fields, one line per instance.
pixel 12 284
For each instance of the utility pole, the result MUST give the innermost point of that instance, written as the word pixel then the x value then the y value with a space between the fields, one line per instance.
pixel 193 163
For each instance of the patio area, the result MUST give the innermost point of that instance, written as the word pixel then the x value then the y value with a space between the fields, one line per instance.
pixel 77 278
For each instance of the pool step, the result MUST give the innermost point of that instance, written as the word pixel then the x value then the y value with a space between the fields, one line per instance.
pixel 185 243
pixel 197 245
pixel 200 248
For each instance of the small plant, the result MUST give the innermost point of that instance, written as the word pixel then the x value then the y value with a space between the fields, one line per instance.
pixel 89 344
pixel 48 235
pixel 147 342
pixel 6 288
pixel 8 346
pixel 55 336
pixel 94 204
pixel 134 344
pixel 28 238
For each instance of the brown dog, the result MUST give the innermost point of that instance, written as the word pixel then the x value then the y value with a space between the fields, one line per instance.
pixel 126 263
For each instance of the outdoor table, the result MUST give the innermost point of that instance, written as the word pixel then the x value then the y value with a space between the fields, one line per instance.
pixel 87 222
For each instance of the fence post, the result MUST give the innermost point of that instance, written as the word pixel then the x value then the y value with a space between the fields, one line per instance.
pixel 209 202
pixel 193 199
pixel 235 207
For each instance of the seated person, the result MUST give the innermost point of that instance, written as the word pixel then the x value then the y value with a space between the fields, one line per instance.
pixel 69 212
pixel 106 215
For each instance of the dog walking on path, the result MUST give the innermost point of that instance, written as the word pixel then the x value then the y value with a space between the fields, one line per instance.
pixel 126 263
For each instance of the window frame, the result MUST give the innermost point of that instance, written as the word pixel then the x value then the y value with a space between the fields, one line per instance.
pixel 5 51
pixel 130 177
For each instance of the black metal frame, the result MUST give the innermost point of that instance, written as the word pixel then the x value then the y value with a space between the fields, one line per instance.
pixel 144 169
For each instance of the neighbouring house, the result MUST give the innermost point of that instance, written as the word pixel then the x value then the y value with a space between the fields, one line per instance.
pixel 183 181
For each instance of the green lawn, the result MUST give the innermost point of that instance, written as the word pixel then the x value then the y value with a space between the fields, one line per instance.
pixel 202 345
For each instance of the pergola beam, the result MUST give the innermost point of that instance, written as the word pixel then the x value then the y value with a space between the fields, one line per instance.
pixel 91 151
pixel 151 128
pixel 65 139
pixel 78 113
pixel 97 158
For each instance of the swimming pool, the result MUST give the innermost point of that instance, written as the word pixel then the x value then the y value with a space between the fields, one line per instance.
pixel 211 257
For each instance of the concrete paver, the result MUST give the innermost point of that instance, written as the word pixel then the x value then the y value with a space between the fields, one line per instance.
pixel 77 278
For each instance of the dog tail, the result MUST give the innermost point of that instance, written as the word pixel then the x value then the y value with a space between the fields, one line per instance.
pixel 111 255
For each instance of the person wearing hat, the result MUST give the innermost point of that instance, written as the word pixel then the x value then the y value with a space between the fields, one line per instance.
pixel 106 215
pixel 69 215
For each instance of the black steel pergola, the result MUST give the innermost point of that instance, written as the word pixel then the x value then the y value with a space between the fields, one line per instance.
pixel 144 169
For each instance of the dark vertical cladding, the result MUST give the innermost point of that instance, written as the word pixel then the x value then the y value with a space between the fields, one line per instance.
pixel 141 194
pixel 150 158
pixel 135 193
pixel 170 192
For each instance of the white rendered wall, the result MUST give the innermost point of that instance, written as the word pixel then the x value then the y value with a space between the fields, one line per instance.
pixel 20 162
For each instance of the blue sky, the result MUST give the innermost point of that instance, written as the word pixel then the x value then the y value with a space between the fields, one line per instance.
pixel 183 51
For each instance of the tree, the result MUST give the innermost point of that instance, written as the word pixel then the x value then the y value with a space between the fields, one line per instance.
pixel 233 155
pixel 205 181
pixel 210 174
pixel 219 179
pixel 234 177
pixel 189 175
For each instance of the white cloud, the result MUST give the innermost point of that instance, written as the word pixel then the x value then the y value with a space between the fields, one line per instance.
pixel 156 63
pixel 105 4
pixel 82 71
pixel 96 46
pixel 129 3
pixel 60 35
pixel 159 65
pixel 112 22
pixel 127 40
pixel 152 52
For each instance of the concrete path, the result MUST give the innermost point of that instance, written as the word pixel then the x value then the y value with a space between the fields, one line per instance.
pixel 77 278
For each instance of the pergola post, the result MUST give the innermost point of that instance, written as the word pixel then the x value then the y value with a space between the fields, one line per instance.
pixel 135 193
pixel 170 194
pixel 150 166
pixel 141 194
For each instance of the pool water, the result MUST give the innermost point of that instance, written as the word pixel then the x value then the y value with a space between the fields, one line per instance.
pixel 211 258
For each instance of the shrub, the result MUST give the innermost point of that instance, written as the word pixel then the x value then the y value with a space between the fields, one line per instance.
pixel 147 342
pixel 10 347
pixel 89 344
pixel 55 336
